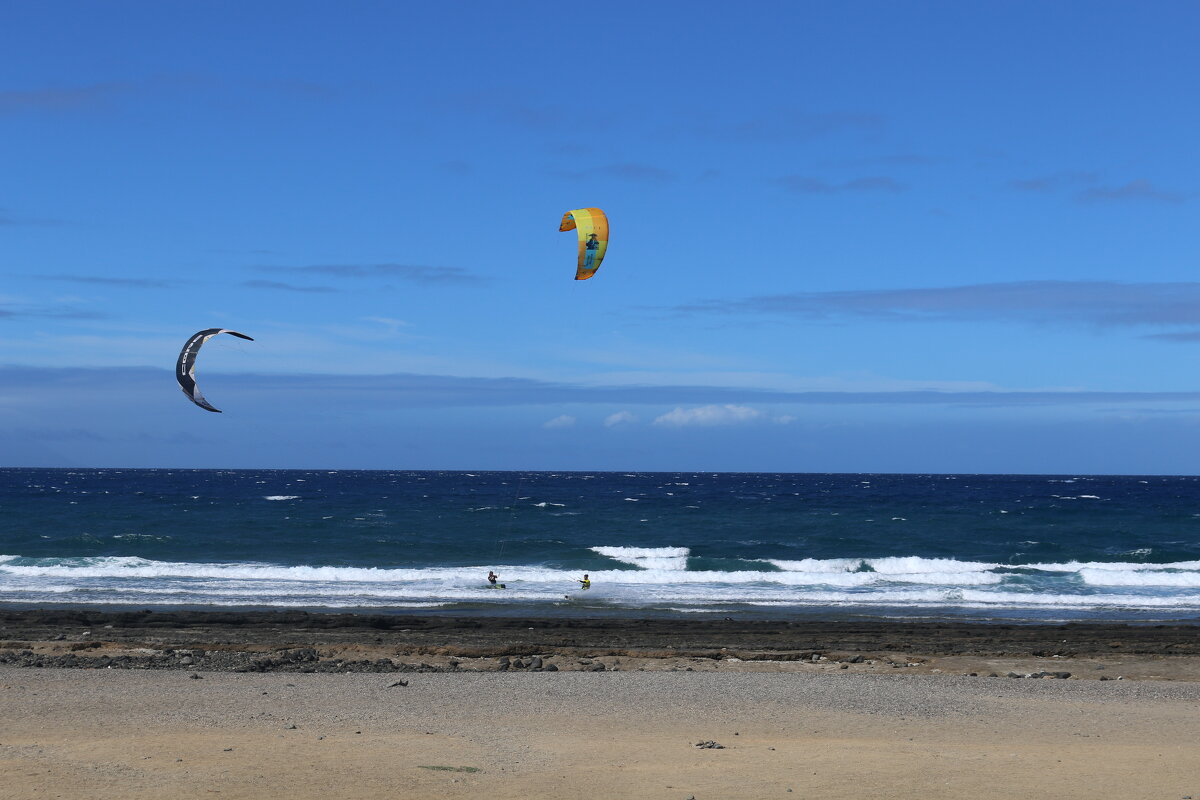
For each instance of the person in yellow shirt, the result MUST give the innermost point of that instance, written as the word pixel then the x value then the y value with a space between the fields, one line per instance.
pixel 586 583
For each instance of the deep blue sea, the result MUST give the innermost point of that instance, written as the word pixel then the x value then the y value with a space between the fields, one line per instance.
pixel 974 547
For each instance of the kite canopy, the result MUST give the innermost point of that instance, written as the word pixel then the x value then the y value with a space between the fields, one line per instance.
pixel 185 367
pixel 593 238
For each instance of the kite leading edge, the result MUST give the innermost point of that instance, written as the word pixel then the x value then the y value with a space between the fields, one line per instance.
pixel 185 367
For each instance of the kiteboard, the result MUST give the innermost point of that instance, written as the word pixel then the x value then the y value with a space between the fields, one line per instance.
pixel 497 586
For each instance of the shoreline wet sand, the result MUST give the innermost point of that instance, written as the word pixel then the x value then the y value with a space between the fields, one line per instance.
pixel 298 641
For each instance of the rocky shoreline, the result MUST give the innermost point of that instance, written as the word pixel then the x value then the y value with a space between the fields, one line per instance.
pixel 298 641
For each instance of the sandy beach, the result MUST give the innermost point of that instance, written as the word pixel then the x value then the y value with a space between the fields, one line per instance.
pixel 140 734
pixel 320 706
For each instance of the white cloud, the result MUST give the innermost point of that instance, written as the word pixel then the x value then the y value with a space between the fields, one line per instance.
pixel 783 419
pixel 727 414
pixel 619 418
pixel 564 421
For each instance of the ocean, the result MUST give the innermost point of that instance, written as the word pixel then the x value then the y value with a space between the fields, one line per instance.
pixel 1032 548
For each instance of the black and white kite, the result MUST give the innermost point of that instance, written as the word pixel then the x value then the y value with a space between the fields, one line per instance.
pixel 185 367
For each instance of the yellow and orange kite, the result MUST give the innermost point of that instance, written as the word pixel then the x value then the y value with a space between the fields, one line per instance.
pixel 593 238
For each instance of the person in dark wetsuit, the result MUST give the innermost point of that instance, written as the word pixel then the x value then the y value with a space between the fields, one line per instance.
pixel 592 247
pixel 492 577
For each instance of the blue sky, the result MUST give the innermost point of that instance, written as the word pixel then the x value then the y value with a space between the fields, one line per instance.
pixel 864 236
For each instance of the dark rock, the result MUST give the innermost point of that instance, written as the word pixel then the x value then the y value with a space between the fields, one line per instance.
pixel 195 676
pixel 550 668
pixel 710 745
pixel 535 662
pixel 398 683
pixel 597 667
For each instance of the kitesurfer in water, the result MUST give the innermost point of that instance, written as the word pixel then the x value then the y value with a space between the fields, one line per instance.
pixel 492 577
pixel 585 583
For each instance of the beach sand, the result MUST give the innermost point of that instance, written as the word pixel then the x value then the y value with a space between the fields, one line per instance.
pixel 141 734
pixel 146 725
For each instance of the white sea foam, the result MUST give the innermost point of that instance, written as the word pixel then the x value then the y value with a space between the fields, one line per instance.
pixel 1116 566
pixel 662 581
pixel 1109 577
pixel 894 566
pixel 664 558
pixel 282 497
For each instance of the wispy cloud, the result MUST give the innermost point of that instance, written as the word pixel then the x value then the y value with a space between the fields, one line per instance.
pixel 807 185
pixel 790 124
pixel 6 219
pixel 1088 189
pixel 391 323
pixel 619 418
pixel 134 283
pixel 1180 336
pixel 896 160
pixel 690 404
pixel 641 173
pixel 1104 303
pixel 287 287
pixel 1140 189
pixel 63 98
pixel 1055 181
pixel 414 273
pixel 562 421
pixel 44 312
pixel 306 89
pixel 515 108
